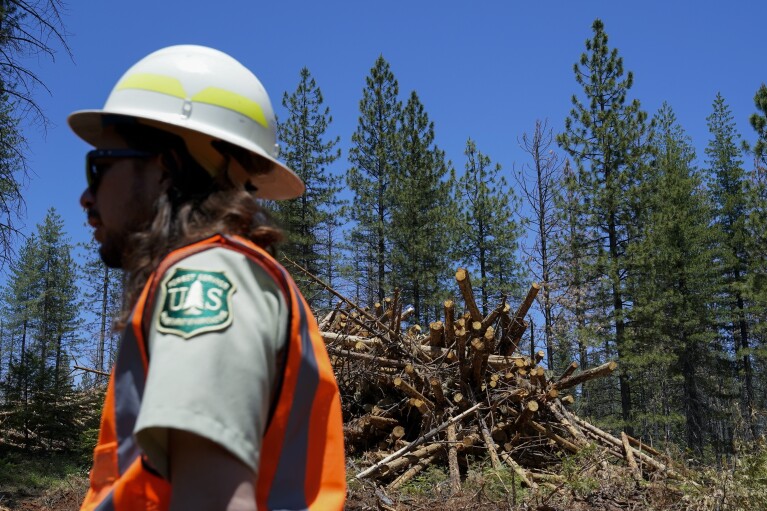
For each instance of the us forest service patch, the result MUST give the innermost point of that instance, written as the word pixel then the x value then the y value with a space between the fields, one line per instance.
pixel 195 302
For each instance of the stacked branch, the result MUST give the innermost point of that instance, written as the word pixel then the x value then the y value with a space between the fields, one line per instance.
pixel 459 390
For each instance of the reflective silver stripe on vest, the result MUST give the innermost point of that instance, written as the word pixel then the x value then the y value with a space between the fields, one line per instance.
pixel 128 390
pixel 107 504
pixel 287 491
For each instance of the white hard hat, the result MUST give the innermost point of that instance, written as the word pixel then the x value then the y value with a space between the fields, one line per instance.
pixel 202 95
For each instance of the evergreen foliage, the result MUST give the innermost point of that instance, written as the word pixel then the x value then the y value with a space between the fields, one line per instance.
pixel 759 123
pixel 422 212
pixel 41 301
pixel 375 157
pixel 487 231
pixel 729 192
pixel 310 220
pixel 606 137
pixel 673 281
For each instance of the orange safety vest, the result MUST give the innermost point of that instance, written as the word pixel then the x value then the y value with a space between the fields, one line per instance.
pixel 302 457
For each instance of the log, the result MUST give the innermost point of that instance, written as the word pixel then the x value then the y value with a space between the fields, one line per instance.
pixel 478 345
pixel 449 323
pixel 584 376
pixel 94 371
pixel 519 316
pixel 414 375
pixel 530 408
pixel 505 346
pixel 630 461
pixel 494 314
pixel 567 372
pixel 452 460
pixel 380 361
pixel 420 405
pixel 611 440
pixel 394 320
pixel 398 464
pixel 436 334
pixel 407 313
pixel 574 431
pixel 335 293
pixel 562 442
pixel 436 391
pixel 644 447
pixel 492 451
pixel 330 316
pixel 521 473
pixel 411 392
pixel 411 472
pixel 464 284
pixel 418 441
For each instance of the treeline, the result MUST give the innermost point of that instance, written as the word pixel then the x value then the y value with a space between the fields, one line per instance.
pixel 55 316
pixel 645 255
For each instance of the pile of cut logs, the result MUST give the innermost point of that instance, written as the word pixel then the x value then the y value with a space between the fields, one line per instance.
pixel 460 392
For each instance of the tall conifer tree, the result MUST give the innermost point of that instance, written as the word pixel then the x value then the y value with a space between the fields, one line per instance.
pixel 674 282
pixel 488 234
pixel 44 282
pixel 421 196
pixel 310 153
pixel 375 157
pixel 730 195
pixel 604 134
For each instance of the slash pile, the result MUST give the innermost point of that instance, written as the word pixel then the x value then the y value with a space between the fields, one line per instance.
pixel 459 392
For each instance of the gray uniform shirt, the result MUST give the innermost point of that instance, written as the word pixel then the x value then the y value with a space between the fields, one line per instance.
pixel 218 324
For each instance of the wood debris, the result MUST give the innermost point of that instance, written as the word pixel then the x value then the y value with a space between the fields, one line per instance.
pixel 458 390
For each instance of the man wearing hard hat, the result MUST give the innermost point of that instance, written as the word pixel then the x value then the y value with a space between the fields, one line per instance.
pixel 222 394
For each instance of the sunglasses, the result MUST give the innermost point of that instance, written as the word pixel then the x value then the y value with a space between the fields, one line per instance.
pixel 99 161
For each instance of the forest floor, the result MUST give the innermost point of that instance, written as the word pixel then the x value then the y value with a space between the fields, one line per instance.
pixel 46 483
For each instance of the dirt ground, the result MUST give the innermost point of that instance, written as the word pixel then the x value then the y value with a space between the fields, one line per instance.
pixel 367 498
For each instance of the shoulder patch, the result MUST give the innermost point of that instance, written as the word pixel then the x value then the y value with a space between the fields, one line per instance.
pixel 195 302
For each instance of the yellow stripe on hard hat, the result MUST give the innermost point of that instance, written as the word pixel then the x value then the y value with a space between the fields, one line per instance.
pixel 154 83
pixel 232 101
pixel 210 95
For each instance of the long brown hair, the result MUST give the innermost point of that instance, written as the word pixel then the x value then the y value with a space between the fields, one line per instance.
pixel 195 206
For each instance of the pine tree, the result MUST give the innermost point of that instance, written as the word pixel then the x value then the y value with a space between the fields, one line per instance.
pixel 309 153
pixel 730 195
pixel 20 306
pixel 674 281
pixel 375 157
pixel 488 234
pixel 12 176
pixel 756 239
pixel 57 325
pixel 759 123
pixel 419 220
pixel 605 136
pixel 42 299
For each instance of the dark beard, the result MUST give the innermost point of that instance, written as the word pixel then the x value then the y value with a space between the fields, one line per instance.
pixel 111 253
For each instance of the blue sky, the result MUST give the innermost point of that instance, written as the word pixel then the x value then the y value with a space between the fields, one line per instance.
pixel 485 70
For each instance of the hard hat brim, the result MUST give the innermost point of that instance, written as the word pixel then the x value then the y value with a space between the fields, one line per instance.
pixel 281 183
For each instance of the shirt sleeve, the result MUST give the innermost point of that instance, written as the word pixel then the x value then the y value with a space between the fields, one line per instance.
pixel 218 326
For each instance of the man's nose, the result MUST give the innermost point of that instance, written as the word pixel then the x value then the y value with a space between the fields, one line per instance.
pixel 87 199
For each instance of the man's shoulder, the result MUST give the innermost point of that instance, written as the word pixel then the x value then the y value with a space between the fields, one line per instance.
pixel 199 293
